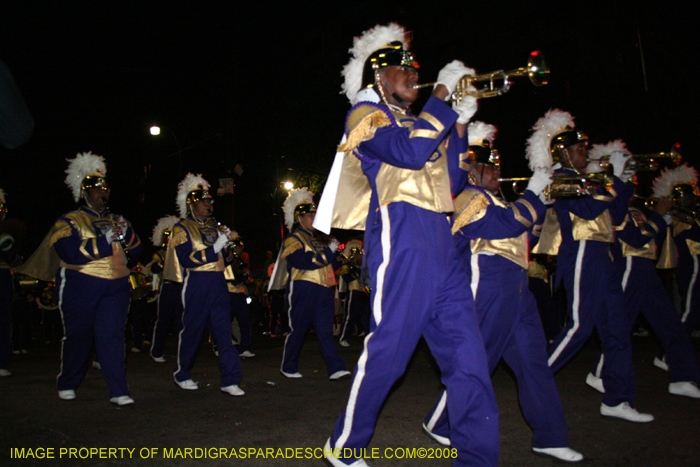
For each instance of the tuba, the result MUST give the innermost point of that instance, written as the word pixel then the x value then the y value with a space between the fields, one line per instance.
pixel 498 82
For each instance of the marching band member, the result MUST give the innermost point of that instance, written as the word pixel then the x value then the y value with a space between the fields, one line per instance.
pixel 396 170
pixel 492 237
pixel 198 253
pixel 237 276
pixel 681 184
pixel 169 295
pixel 311 285
pixel 93 280
pixel 585 266
pixel 644 291
pixel 357 309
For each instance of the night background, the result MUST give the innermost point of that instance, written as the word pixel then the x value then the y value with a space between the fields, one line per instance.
pixel 251 92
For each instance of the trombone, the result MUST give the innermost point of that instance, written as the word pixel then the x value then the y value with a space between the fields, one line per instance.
pixel 498 82
pixel 646 162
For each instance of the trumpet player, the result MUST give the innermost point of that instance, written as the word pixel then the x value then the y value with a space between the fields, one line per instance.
pixel 169 295
pixel 681 184
pixel 197 255
pixel 310 287
pixel 357 309
pixel 493 239
pixel 635 258
pixel 92 280
pixel 399 169
pixel 584 263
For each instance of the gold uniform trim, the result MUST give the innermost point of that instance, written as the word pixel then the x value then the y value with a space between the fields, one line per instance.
pixel 668 257
pixel 323 276
pixel 599 229
pixel 362 123
pixel 470 206
pixel 109 267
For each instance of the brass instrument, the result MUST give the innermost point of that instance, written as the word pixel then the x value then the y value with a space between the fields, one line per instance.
pixel 646 162
pixel 137 279
pixel 354 270
pixel 567 186
pixel 239 267
pixel 498 82
pixel 687 214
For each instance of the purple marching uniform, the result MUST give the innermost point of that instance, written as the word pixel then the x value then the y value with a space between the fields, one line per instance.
pixel 169 307
pixel 310 298
pixel 594 295
pixel 204 298
pixel 357 311
pixel 687 240
pixel 644 292
pixel 237 293
pixel 418 285
pixel 492 239
pixel 93 297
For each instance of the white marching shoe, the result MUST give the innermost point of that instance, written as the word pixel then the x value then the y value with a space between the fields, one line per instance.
pixel 188 384
pixel 233 390
pixel 625 411
pixel 336 462
pixel 121 400
pixel 661 363
pixel 291 375
pixel 340 374
pixel 563 454
pixel 595 382
pixel 66 395
pixel 685 388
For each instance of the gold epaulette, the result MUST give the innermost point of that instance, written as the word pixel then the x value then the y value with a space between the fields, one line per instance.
pixel 291 244
pixel 362 122
pixel 470 206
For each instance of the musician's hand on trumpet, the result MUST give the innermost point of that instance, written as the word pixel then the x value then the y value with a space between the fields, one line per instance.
pixel 618 160
pixel 449 76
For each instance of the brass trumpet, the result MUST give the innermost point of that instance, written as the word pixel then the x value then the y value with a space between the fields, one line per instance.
pixel 567 186
pixel 687 214
pixel 646 162
pixel 498 82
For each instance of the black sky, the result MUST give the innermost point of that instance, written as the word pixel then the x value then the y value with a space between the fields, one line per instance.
pixel 258 86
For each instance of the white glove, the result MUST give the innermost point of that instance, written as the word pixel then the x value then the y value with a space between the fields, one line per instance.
pixel 539 180
pixel 451 73
pixel 220 243
pixel 618 160
pixel 466 108
pixel 113 236
pixel 333 245
pixel 626 175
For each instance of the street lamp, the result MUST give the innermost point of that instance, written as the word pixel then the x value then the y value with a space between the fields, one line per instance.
pixel 288 185
pixel 155 130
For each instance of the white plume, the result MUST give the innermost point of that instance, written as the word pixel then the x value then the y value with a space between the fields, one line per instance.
pixel 478 131
pixel 537 149
pixel 164 223
pixel 295 198
pixel 671 178
pixel 84 164
pixel 188 184
pixel 363 46
pixel 599 150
